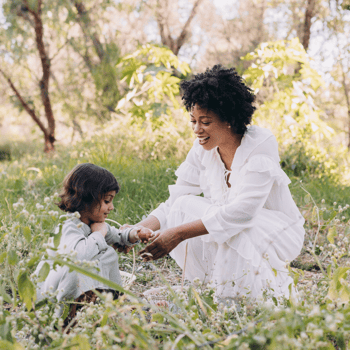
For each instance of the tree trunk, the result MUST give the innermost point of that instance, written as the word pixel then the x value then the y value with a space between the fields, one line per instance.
pixel 49 132
pixel 309 13
pixel 347 99
pixel 44 82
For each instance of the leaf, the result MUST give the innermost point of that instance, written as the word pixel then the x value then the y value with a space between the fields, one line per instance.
pixel 12 257
pixel 274 271
pixel 332 232
pixel 26 289
pixel 26 234
pixel 57 237
pixel 33 261
pixel 314 215
pixel 80 343
pixel 44 271
pixel 307 199
pixel 158 318
pixel 3 257
pixel 104 319
pixel 6 297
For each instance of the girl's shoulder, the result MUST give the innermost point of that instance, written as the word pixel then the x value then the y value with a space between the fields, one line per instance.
pixel 75 225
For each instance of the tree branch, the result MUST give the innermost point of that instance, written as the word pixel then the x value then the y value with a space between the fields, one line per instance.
pixel 183 36
pixel 30 111
pixel 85 24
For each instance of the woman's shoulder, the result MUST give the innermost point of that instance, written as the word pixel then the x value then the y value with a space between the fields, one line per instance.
pixel 257 141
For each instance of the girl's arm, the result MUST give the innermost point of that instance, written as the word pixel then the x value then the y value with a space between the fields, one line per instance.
pixel 73 239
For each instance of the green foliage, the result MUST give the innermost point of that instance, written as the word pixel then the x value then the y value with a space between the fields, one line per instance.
pixel 282 73
pixel 285 83
pixel 151 83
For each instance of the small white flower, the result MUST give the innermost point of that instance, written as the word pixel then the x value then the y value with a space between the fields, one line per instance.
pixel 77 215
pixel 47 200
pixel 80 225
pixel 335 203
pixel 15 205
pixel 322 201
pixel 24 212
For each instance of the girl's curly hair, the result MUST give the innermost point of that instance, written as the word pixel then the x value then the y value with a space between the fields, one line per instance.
pixel 222 91
pixel 85 186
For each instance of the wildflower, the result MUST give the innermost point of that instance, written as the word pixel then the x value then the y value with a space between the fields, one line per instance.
pixel 15 205
pixel 322 201
pixel 77 215
pixel 80 225
pixel 335 203
pixel 47 200
pixel 25 212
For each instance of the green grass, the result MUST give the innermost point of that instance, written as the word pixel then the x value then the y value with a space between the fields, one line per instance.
pixel 200 323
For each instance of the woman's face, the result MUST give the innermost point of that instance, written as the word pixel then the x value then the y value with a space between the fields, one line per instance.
pixel 209 129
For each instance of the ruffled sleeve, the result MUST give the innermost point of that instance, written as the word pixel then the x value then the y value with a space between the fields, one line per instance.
pixel 262 164
pixel 258 176
pixel 188 175
pixel 188 172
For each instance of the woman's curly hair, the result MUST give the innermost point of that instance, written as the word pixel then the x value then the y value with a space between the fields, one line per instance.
pixel 85 186
pixel 222 91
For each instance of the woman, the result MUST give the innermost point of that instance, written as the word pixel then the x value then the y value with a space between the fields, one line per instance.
pixel 240 233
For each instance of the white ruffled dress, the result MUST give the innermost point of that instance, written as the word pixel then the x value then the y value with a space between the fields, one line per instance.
pixel 254 226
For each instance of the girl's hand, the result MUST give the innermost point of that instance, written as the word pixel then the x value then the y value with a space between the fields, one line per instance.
pixel 100 227
pixel 140 233
pixel 145 234
pixel 163 244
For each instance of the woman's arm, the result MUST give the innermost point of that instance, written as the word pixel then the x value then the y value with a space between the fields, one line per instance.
pixel 168 239
pixel 150 222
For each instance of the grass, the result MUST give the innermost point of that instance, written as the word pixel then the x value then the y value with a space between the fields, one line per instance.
pixel 320 320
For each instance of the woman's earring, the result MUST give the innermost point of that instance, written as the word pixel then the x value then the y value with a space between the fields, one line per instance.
pixel 229 126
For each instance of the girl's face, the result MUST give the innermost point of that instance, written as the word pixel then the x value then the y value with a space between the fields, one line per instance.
pixel 99 213
pixel 209 129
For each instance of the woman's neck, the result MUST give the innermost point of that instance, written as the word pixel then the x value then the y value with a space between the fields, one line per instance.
pixel 227 150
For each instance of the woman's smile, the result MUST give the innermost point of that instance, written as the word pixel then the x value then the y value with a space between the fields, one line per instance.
pixel 203 140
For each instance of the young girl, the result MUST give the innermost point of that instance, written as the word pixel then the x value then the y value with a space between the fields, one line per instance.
pixel 89 190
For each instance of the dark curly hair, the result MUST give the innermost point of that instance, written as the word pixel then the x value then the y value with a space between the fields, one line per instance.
pixel 222 91
pixel 85 186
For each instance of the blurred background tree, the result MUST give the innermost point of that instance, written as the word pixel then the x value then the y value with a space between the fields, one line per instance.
pixel 72 83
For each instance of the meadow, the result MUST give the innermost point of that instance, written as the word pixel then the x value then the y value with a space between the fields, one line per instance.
pixel 191 318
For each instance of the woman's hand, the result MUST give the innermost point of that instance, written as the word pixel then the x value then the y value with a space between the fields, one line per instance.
pixel 100 227
pixel 163 243
pixel 123 249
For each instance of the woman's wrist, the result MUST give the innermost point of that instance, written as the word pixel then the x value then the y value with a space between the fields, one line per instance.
pixel 150 222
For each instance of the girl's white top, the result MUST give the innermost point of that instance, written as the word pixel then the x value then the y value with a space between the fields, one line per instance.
pixel 259 190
